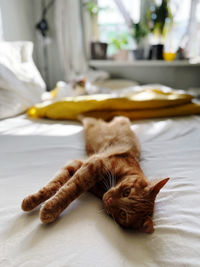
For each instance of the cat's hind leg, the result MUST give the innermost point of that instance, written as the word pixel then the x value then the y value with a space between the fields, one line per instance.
pixel 32 201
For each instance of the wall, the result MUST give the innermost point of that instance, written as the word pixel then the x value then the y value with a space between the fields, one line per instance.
pixel 17 22
pixel 17 19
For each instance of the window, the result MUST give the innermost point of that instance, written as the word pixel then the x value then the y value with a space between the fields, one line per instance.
pixel 185 27
pixel 181 15
pixel 112 23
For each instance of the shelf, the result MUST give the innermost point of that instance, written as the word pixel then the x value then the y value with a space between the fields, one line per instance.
pixel 142 63
pixel 176 74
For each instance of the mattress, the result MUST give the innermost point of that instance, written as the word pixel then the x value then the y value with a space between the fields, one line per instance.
pixel 30 154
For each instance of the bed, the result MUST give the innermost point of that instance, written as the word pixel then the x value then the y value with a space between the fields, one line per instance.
pixel 31 151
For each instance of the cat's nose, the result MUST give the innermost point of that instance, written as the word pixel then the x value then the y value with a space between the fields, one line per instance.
pixel 109 201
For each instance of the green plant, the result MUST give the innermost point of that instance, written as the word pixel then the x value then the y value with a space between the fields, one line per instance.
pixel 92 7
pixel 158 16
pixel 140 30
pixel 119 42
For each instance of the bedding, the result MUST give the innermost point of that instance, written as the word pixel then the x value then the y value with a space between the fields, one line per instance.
pixel 140 104
pixel 21 84
pixel 31 151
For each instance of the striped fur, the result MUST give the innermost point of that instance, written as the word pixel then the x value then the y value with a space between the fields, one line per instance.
pixel 112 172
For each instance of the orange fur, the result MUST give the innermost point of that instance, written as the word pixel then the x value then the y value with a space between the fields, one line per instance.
pixel 112 172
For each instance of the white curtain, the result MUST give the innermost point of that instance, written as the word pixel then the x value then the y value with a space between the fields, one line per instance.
pixel 193 34
pixel 1 27
pixel 70 38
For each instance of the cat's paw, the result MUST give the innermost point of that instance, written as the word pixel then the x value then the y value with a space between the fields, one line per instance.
pixel 48 214
pixel 28 204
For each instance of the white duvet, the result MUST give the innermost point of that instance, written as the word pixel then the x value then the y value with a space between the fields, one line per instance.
pixel 32 151
pixel 21 84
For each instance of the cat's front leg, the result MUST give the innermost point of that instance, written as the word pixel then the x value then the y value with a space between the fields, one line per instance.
pixel 85 178
pixel 32 201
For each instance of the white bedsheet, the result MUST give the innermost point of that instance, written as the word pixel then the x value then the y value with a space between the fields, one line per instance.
pixel 32 151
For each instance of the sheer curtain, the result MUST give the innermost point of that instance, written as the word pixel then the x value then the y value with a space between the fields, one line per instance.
pixel 1 27
pixel 69 33
pixel 193 34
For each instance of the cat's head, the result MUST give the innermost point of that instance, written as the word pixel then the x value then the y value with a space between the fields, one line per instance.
pixel 131 203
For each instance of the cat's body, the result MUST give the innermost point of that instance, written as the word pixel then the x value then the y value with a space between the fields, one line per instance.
pixel 117 144
pixel 111 172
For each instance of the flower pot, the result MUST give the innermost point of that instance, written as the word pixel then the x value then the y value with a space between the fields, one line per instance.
pixel 121 55
pixel 156 52
pixel 98 50
pixel 138 54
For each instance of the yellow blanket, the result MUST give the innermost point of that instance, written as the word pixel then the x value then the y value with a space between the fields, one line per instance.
pixel 147 103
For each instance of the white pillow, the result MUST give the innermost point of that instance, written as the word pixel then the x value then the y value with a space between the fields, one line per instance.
pixel 21 84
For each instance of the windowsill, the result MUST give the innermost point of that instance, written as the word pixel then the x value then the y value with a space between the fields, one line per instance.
pixel 176 74
pixel 142 63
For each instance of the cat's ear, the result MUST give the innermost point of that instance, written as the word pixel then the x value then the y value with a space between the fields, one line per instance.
pixel 147 226
pixel 156 187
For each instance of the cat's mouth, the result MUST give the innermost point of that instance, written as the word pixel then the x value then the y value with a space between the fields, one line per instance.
pixel 107 202
pixel 105 198
pixel 107 211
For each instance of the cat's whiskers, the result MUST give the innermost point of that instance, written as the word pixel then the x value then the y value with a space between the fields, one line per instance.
pixel 113 178
pixel 106 181
pixel 107 171
pixel 114 219
pixel 105 184
pixel 108 177
pixel 112 182
pixel 100 211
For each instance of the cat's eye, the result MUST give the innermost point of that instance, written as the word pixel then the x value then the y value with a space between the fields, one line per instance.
pixel 126 192
pixel 122 214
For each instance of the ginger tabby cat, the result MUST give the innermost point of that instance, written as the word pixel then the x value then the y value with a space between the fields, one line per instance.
pixel 112 172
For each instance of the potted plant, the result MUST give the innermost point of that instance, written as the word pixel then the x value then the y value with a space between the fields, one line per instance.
pixel 98 49
pixel 159 18
pixel 118 45
pixel 140 32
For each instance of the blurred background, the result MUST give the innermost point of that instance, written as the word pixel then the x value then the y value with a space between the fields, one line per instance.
pixel 147 41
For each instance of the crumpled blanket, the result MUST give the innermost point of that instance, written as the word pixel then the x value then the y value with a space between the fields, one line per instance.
pixel 146 103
